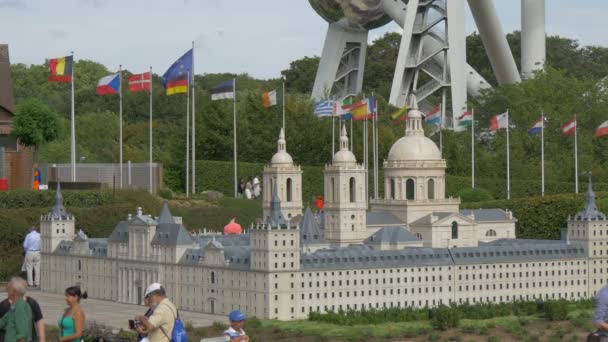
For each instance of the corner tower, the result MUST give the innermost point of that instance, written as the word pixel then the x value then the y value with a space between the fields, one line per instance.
pixel 56 226
pixel 286 177
pixel 345 198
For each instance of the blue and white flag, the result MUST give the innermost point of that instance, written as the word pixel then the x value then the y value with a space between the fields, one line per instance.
pixel 324 108
pixel 224 90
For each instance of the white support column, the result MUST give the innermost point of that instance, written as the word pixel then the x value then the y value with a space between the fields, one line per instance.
pixel 457 56
pixel 533 40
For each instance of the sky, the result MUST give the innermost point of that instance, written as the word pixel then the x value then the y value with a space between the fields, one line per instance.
pixel 260 38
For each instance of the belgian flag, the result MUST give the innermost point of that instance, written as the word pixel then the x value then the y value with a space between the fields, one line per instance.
pixel 61 69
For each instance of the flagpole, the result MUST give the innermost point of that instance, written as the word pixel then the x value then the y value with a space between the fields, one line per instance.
pixel 283 104
pixel 333 136
pixel 441 132
pixel 352 137
pixel 120 123
pixel 575 154
pixel 508 162
pixel 234 134
pixel 542 154
pixel 150 137
pixel 365 159
pixel 473 148
pixel 193 127
pixel 375 151
pixel 72 125
pixel 188 136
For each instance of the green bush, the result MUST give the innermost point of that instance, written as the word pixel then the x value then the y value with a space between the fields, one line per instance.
pixel 556 310
pixel 474 195
pixel 166 193
pixel 445 317
pixel 254 322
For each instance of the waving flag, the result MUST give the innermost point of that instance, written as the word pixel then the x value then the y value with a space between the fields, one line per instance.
pixel 108 85
pixel 569 127
pixel 433 117
pixel 538 126
pixel 269 98
pixel 499 121
pixel 466 119
pixel 602 130
pixel 179 75
pixel 61 69
pixel 398 114
pixel 139 82
pixel 224 90
pixel 324 108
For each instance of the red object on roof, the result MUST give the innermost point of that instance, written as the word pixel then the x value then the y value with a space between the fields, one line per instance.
pixel 319 203
pixel 233 228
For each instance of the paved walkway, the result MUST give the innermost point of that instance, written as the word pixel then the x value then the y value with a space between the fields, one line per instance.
pixel 112 314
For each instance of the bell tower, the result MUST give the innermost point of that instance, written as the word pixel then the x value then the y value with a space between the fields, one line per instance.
pixel 56 226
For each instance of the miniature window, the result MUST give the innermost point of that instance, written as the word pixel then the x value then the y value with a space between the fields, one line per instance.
pixel 352 186
pixel 431 189
pixel 410 189
pixel 454 230
pixel 289 190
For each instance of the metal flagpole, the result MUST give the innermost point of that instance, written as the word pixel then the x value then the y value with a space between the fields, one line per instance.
pixel 542 155
pixel 234 133
pixel 375 151
pixel 508 162
pixel 150 137
pixel 72 126
pixel 575 153
pixel 352 137
pixel 473 148
pixel 365 159
pixel 333 136
pixel 188 136
pixel 441 131
pixel 193 127
pixel 120 123
pixel 283 105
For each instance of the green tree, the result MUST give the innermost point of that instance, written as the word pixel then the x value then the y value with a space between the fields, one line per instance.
pixel 35 124
pixel 301 74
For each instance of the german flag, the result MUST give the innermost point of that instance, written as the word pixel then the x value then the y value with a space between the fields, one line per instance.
pixel 61 69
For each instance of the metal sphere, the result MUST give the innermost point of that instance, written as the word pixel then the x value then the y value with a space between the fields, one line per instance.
pixel 358 14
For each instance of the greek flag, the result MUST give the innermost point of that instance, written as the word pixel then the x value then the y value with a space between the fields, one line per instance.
pixel 324 108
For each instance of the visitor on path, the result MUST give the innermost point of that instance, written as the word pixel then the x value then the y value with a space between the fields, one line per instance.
pixel 600 318
pixel 143 335
pixel 236 333
pixel 257 189
pixel 71 324
pixel 159 326
pixel 241 188
pixel 31 247
pixel 38 330
pixel 18 320
pixel 248 190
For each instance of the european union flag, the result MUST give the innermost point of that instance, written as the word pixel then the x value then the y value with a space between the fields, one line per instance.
pixel 175 79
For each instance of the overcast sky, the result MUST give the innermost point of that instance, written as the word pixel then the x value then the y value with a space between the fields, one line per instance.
pixel 257 37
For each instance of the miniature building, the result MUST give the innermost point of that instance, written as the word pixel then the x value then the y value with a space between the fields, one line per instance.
pixel 413 248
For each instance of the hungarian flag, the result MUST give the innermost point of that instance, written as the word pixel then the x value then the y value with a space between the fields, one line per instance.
pixel 466 119
pixel 269 98
pixel 108 85
pixel 179 75
pixel 61 69
pixel 569 127
pixel 139 82
pixel 499 121
pixel 602 130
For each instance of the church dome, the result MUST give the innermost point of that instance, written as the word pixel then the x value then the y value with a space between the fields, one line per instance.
pixel 414 145
pixel 281 157
pixel 344 155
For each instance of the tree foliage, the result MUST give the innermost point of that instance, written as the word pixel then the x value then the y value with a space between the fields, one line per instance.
pixel 35 123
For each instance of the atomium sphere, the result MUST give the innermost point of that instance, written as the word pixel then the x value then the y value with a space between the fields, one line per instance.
pixel 359 14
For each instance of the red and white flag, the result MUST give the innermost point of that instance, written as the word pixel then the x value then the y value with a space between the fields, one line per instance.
pixel 602 130
pixel 499 121
pixel 139 82
pixel 569 127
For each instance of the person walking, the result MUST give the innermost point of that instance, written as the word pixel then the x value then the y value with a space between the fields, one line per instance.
pixel 257 189
pixel 236 333
pixel 71 324
pixel 31 247
pixel 159 326
pixel 18 320
pixel 38 330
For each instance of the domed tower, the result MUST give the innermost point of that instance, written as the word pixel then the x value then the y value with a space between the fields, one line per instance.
pixel 414 174
pixel 345 198
pixel 283 174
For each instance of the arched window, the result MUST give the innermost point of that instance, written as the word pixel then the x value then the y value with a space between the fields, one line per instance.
pixel 392 192
pixel 431 189
pixel 491 232
pixel 454 230
pixel 212 277
pixel 331 190
pixel 289 190
pixel 410 188
pixel 351 187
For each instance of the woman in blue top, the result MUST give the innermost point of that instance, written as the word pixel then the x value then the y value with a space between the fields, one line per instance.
pixel 71 324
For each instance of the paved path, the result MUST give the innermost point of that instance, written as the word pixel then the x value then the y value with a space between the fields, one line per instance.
pixel 112 314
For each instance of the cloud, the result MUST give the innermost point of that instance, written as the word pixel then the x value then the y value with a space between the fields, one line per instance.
pixel 14 4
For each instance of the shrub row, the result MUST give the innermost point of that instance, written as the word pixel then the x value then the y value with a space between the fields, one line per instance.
pixel 448 316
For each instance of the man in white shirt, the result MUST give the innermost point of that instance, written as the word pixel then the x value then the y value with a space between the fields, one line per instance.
pixel 31 247
pixel 236 333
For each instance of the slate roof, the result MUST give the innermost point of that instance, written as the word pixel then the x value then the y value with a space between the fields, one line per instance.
pixel 513 252
pixel 98 247
pixel 310 232
pixel 58 211
pixel 485 215
pixel 381 218
pixel 120 232
pixel 425 220
pixel 590 212
pixel 165 215
pixel 392 235
pixel 172 234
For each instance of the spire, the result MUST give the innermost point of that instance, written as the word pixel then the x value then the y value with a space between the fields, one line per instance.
pixel 58 211
pixel 590 211
pixel 414 118
pixel 275 217
pixel 165 215
pixel 344 139
pixel 281 142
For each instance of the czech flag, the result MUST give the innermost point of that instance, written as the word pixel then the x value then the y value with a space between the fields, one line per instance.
pixel 179 75
pixel 108 85
pixel 538 126
pixel 602 130
pixel 569 127
pixel 61 69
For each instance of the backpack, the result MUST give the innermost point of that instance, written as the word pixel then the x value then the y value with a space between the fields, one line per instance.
pixel 179 332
